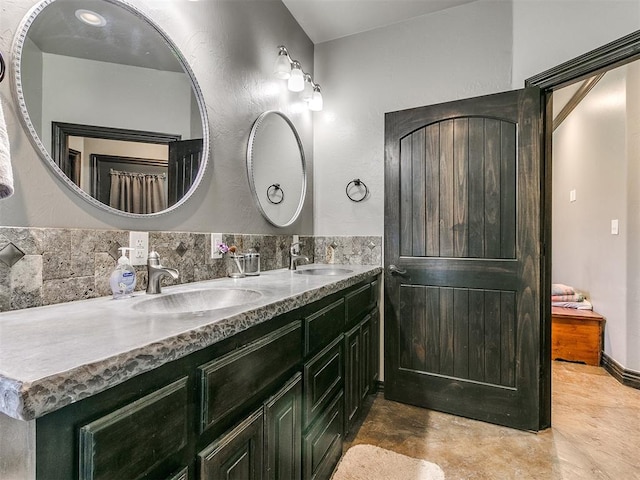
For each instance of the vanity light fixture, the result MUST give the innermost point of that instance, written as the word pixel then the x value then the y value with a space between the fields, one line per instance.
pixel 282 69
pixel 91 18
pixel 297 80
pixel 315 104
pixel 307 93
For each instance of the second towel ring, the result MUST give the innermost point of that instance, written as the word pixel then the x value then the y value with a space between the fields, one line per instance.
pixel 3 67
pixel 357 183
pixel 273 191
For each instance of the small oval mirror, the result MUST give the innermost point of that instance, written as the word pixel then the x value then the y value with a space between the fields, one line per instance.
pixel 276 168
pixel 111 105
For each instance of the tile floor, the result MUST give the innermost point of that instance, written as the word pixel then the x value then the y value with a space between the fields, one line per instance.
pixel 595 434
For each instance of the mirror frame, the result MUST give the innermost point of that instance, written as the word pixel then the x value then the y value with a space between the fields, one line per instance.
pixel 250 161
pixel 18 93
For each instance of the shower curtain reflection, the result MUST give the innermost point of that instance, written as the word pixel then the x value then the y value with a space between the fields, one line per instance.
pixel 137 192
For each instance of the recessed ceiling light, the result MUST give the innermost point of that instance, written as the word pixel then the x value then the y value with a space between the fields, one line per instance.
pixel 90 18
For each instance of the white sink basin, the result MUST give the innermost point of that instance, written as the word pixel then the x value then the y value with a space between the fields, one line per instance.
pixel 198 300
pixel 324 271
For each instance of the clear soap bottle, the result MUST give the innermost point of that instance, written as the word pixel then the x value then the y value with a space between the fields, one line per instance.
pixel 123 278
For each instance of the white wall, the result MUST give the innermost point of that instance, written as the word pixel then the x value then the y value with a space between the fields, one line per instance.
pixel 549 32
pixel 590 157
pixel 130 97
pixel 460 52
pixel 633 218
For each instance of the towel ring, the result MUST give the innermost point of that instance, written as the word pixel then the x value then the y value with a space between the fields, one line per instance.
pixel 357 183
pixel 273 191
pixel 3 68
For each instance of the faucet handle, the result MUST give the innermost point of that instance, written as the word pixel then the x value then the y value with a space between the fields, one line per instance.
pixel 294 248
pixel 153 258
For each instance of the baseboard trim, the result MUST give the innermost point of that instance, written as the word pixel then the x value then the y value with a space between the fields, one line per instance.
pixel 630 378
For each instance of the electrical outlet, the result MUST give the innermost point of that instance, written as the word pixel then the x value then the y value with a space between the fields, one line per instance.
pixel 216 238
pixel 614 227
pixel 139 241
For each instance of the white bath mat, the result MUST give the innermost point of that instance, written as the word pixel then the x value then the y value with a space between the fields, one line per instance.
pixel 367 462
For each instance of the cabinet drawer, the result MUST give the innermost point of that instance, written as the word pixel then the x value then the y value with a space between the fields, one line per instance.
pixel 133 440
pixel 322 445
pixel 227 382
pixel 323 378
pixel 358 303
pixel 323 327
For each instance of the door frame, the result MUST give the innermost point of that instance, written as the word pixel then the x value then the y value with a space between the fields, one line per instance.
pixel 611 55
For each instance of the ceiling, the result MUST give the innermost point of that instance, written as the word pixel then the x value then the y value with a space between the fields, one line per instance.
pixel 325 20
pixel 125 39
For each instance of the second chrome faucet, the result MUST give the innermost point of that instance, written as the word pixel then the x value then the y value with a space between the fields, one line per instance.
pixel 295 257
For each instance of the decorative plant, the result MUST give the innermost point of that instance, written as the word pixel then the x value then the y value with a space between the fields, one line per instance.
pixel 224 248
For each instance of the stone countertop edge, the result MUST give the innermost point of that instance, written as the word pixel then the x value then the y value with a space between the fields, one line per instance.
pixel 30 400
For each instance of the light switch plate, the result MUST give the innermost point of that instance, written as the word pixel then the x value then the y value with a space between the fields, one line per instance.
pixel 614 227
pixel 139 241
pixel 572 196
pixel 216 239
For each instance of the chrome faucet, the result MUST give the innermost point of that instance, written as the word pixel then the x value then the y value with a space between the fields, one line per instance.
pixel 294 255
pixel 155 272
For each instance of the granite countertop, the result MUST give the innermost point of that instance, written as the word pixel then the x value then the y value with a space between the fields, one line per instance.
pixel 56 355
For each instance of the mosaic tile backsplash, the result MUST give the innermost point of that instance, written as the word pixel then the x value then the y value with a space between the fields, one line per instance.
pixel 44 266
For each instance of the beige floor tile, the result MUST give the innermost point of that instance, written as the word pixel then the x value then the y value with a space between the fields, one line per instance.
pixel 595 434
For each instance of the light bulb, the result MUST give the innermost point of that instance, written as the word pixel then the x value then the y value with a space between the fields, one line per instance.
pixel 296 80
pixel 316 103
pixel 282 68
pixel 307 93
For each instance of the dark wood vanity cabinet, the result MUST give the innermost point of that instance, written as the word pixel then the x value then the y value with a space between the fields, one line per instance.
pixel 271 402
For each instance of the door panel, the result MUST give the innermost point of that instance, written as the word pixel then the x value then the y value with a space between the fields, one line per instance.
pixel 462 224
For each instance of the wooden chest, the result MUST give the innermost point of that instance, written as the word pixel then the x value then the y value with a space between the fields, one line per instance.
pixel 576 335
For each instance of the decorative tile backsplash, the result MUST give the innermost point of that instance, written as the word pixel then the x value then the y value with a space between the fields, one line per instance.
pixel 52 265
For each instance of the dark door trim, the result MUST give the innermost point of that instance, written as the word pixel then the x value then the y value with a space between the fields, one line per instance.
pixel 60 132
pixel 609 56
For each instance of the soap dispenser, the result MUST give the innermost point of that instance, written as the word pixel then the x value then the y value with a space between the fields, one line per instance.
pixel 123 278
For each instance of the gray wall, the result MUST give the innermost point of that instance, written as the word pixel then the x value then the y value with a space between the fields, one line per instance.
pixel 231 47
pixel 460 52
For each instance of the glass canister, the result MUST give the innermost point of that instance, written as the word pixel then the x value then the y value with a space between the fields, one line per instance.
pixel 252 262
pixel 235 265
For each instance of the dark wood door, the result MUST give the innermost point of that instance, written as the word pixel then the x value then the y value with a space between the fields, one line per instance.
pixel 185 157
pixel 463 257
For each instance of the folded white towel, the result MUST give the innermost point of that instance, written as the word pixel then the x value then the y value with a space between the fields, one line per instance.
pixel 6 172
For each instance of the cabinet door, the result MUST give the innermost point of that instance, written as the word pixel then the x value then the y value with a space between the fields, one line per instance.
pixel 352 376
pixel 375 350
pixel 365 357
pixel 322 444
pixel 283 432
pixel 237 455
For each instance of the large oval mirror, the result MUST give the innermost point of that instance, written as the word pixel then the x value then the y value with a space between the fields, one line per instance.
pixel 276 168
pixel 111 105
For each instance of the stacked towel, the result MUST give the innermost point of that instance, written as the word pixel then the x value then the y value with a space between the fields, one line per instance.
pixel 6 172
pixel 567 297
pixel 576 297
pixel 561 289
